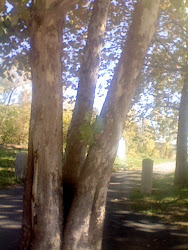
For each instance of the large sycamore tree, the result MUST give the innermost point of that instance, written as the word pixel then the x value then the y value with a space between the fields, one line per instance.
pixel 76 147
pixel 85 175
pixel 43 203
pixel 86 214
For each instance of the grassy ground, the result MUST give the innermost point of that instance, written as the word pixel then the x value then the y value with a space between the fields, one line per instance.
pixel 166 201
pixel 8 157
pixel 7 162
pixel 134 162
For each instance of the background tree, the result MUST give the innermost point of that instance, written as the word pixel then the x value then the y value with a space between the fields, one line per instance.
pixel 181 173
pixel 163 74
pixel 140 138
pixel 15 99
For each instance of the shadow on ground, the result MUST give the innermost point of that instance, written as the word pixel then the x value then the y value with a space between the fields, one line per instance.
pixel 11 205
pixel 124 229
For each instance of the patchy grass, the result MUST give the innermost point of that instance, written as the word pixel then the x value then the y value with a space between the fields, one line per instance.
pixel 7 162
pixel 134 162
pixel 119 164
pixel 166 201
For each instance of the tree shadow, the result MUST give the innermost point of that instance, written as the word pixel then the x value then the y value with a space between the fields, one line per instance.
pixel 11 209
pixel 125 229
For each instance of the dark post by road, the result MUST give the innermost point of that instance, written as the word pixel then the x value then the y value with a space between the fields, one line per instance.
pixel 147 174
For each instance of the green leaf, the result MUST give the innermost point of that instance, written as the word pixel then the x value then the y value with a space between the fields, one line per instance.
pixel 98 125
pixel 178 4
pixel 87 133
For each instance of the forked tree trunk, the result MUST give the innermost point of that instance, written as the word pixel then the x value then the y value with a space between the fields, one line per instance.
pixel 98 210
pixel 95 175
pixel 76 146
pixel 43 201
pixel 181 172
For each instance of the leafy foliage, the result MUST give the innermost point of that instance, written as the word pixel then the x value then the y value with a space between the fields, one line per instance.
pixel 14 124
pixel 14 112
pixel 14 38
pixel 91 129
pixel 162 76
pixel 140 139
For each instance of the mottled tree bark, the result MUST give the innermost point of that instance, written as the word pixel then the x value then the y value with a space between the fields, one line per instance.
pixel 95 175
pixel 45 147
pixel 98 210
pixel 43 201
pixel 76 146
pixel 181 172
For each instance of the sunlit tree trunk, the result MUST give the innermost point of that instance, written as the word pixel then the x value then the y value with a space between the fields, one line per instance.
pixel 43 208
pixel 76 146
pixel 181 172
pixel 91 194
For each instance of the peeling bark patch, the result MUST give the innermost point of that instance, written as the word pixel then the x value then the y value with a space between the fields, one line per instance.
pixel 50 77
pixel 145 21
pixel 101 204
pixel 120 90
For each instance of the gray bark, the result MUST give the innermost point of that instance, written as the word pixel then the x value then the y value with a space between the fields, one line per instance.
pixel 76 146
pixel 98 210
pixel 181 172
pixel 94 177
pixel 46 133
pixel 43 208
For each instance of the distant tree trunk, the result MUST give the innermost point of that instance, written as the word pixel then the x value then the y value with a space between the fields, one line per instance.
pixel 76 146
pixel 181 172
pixel 43 201
pixel 90 198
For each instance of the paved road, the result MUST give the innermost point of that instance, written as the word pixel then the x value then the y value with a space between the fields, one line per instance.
pixel 123 229
pixel 164 168
pixel 127 230
pixel 11 203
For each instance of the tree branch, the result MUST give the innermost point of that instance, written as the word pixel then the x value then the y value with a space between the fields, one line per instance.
pixel 168 52
pixel 63 5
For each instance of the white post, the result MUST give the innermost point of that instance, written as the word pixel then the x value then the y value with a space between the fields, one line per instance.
pixel 121 149
pixel 21 165
pixel 147 174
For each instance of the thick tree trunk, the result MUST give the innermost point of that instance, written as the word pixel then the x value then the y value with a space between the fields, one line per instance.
pixel 181 172
pixel 76 146
pixel 94 177
pixel 98 210
pixel 44 185
pixel 43 201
